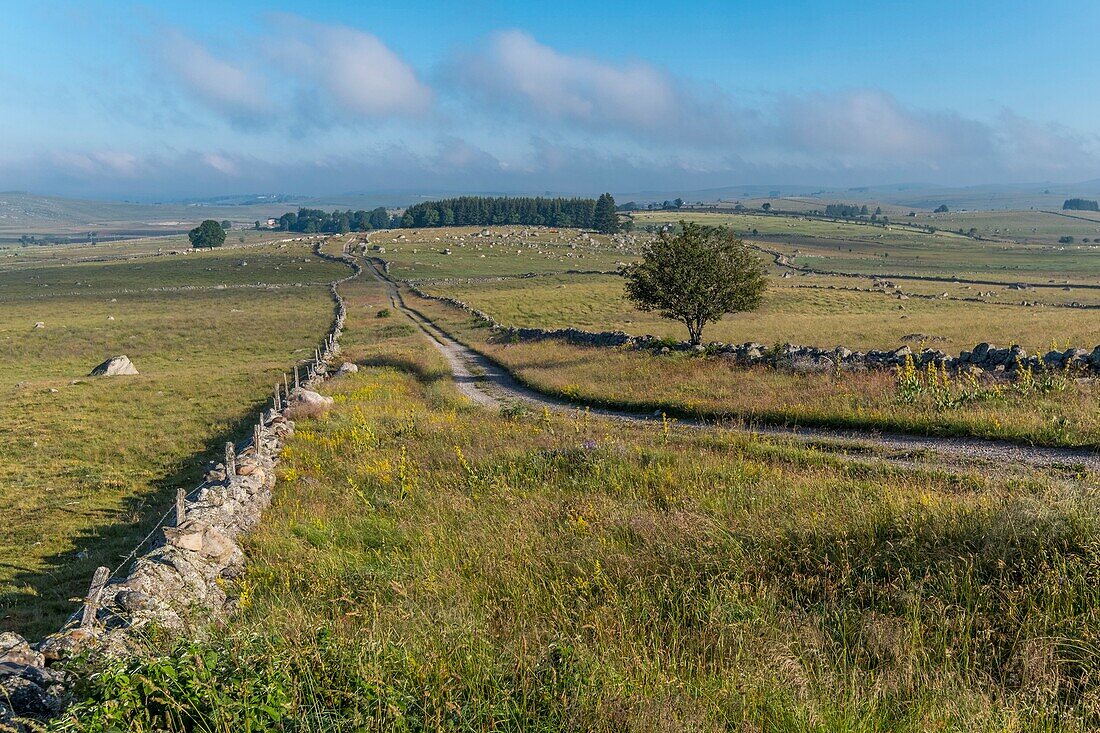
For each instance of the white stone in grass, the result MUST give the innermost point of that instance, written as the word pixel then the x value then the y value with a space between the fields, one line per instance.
pixel 115 366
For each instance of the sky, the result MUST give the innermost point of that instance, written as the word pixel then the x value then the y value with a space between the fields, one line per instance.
pixel 164 100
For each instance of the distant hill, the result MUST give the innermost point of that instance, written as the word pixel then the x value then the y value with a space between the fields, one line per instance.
pixel 24 213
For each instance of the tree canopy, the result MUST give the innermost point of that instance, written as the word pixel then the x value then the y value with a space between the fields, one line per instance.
pixel 696 277
pixel 605 219
pixel 1081 205
pixel 207 234
pixel 316 221
pixel 489 211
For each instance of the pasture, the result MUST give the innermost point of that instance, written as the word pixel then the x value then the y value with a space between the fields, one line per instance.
pixel 860 312
pixel 90 464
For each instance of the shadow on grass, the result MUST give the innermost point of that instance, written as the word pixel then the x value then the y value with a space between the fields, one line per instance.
pixel 422 372
pixel 43 598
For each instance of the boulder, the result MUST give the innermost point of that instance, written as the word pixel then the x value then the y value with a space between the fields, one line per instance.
pixel 114 366
pixel 347 368
pixel 14 649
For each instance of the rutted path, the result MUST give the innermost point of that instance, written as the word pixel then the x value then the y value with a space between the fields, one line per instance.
pixel 487 383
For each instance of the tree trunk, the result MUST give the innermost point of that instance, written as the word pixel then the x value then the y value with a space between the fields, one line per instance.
pixel 695 333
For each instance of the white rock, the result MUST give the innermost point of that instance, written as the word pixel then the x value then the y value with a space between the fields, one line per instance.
pixel 114 366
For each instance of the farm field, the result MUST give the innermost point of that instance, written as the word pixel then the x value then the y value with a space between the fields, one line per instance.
pixel 799 314
pixel 865 249
pixel 90 464
pixel 654 578
pixel 818 310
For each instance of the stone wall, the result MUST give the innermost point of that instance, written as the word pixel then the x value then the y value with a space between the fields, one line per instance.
pixel 184 567
pixel 982 358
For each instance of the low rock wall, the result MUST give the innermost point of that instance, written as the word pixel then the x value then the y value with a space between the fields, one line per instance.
pixel 188 563
pixel 984 357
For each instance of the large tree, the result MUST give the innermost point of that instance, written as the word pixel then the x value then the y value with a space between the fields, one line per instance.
pixel 207 234
pixel 606 218
pixel 696 277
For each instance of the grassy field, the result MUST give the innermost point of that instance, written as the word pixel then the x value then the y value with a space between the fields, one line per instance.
pixel 90 463
pixel 791 313
pixel 428 565
pixel 810 309
pixel 865 249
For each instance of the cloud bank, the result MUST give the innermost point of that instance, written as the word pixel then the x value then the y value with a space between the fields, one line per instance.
pixel 308 100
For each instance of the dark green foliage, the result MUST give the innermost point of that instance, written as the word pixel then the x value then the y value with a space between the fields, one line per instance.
pixel 208 234
pixel 487 211
pixel 1066 239
pixel 845 211
pixel 696 277
pixel 941 209
pixel 194 687
pixel 1080 205
pixel 605 219
pixel 226 224
pixel 316 221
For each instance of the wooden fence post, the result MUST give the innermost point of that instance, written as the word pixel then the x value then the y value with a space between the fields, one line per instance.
pixel 230 463
pixel 257 436
pixel 91 603
pixel 181 506
pixel 296 383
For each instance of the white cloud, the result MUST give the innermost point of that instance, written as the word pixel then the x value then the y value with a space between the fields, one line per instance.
pixel 516 71
pixel 869 124
pixel 1049 147
pixel 100 162
pixel 357 75
pixel 228 89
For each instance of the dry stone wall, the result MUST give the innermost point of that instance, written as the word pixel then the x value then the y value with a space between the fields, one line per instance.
pixel 984 357
pixel 185 566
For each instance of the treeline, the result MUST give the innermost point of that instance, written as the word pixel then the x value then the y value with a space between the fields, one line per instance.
pixel 316 221
pixel 598 214
pixel 846 211
pixel 1080 205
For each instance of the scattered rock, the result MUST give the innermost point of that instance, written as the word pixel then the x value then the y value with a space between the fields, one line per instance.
pixel 115 366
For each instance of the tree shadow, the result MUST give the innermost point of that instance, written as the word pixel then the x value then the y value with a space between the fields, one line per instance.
pixel 422 372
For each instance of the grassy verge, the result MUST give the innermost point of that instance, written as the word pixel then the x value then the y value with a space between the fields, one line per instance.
pixel 431 566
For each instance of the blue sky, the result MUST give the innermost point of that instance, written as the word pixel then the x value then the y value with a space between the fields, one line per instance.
pixel 161 100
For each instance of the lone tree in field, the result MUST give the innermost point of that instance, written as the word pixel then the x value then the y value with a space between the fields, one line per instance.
pixel 696 277
pixel 207 234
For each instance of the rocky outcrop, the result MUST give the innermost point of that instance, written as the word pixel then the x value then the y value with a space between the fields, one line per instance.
pixel 114 367
pixel 185 572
